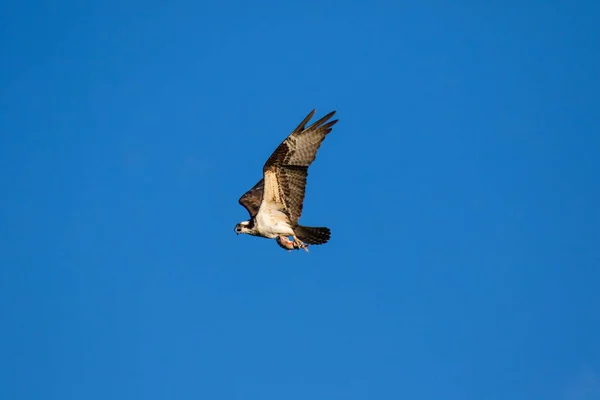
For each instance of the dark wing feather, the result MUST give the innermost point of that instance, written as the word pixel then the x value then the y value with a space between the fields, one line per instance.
pixel 300 148
pixel 290 161
pixel 292 185
pixel 252 198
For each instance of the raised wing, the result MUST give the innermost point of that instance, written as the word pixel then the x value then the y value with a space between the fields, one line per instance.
pixel 300 148
pixel 286 170
pixel 252 198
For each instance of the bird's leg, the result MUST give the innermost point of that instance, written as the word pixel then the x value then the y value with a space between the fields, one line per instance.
pixel 299 244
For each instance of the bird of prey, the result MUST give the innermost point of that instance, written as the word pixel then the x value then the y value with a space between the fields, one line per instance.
pixel 275 202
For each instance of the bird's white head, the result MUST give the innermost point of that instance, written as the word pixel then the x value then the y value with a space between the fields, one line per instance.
pixel 243 227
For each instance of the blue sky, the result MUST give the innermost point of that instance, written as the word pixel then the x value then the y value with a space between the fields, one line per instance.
pixel 461 187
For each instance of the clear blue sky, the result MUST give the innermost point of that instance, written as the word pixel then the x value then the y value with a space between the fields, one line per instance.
pixel 462 187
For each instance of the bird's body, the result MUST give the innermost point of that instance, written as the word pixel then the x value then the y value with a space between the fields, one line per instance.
pixel 275 202
pixel 270 222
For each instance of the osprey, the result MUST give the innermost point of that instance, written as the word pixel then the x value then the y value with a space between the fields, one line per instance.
pixel 275 202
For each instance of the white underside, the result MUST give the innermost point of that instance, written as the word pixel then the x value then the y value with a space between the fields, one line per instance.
pixel 270 222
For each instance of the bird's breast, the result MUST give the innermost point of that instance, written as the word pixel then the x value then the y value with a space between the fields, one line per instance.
pixel 271 222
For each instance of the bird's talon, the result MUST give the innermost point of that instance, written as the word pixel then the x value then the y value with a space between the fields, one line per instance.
pixel 301 245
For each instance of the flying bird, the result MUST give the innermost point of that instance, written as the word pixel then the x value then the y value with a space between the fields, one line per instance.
pixel 275 202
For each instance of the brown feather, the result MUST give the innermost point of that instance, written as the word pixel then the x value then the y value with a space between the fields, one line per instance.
pixel 292 185
pixel 287 168
pixel 291 159
pixel 300 147
pixel 252 198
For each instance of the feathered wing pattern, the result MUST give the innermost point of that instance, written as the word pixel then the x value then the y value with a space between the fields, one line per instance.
pixel 285 172
pixel 292 184
pixel 300 147
pixel 252 198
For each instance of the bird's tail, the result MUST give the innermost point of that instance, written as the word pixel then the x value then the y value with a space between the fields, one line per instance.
pixel 310 235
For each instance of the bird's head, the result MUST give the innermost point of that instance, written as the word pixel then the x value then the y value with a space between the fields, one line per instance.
pixel 242 227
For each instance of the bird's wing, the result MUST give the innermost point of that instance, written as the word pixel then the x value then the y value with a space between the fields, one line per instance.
pixel 252 198
pixel 286 170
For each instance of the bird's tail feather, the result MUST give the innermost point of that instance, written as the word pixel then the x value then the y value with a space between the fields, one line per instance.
pixel 311 235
